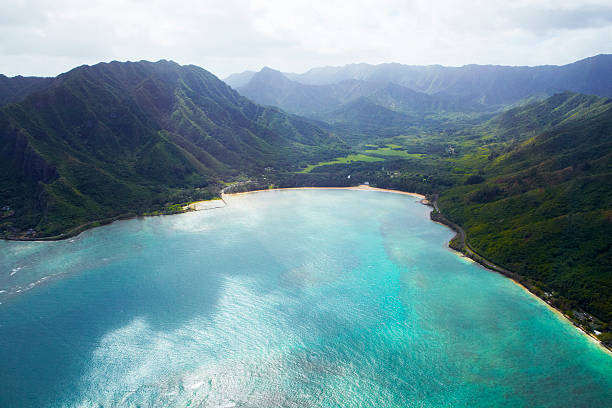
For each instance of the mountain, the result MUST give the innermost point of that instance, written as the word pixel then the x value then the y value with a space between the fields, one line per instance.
pixel 333 75
pixel 271 87
pixel 422 97
pixel 530 186
pixel 542 208
pixel 363 119
pixel 16 88
pixel 484 85
pixel 116 138
pixel 240 79
pixel 557 110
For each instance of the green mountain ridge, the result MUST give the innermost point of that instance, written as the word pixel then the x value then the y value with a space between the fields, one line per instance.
pixel 543 209
pixel 429 96
pixel 16 88
pixel 362 118
pixel 124 137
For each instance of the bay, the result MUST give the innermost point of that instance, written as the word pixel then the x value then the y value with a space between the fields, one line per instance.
pixel 304 298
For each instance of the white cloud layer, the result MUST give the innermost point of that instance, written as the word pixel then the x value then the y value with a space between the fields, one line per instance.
pixel 43 37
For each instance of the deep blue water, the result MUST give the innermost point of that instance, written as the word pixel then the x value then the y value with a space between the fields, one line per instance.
pixel 318 298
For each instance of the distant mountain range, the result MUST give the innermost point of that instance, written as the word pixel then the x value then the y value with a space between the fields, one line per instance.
pixel 509 83
pixel 271 87
pixel 420 92
pixel 104 140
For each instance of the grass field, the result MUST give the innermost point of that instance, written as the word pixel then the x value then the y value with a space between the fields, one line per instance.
pixel 373 153
pixel 392 150
pixel 343 160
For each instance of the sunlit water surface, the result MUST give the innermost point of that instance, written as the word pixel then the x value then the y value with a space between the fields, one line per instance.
pixel 319 298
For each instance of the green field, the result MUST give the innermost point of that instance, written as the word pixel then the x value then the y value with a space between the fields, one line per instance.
pixel 369 155
pixel 343 160
pixel 392 150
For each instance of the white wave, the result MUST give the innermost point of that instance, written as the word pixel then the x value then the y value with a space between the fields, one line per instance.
pixel 15 270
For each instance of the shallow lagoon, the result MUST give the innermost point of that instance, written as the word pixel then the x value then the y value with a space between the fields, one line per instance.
pixel 322 298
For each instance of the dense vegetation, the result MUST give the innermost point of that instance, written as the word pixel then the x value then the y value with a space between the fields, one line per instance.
pixel 543 208
pixel 121 138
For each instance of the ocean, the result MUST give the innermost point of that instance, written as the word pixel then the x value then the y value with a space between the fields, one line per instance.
pixel 301 298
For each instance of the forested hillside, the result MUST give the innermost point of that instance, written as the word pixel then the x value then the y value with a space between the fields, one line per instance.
pixel 116 138
pixel 543 208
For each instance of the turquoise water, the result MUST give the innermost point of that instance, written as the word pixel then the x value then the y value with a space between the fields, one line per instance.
pixel 311 298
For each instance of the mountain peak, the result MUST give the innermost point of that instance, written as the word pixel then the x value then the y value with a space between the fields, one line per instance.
pixel 268 72
pixel 266 77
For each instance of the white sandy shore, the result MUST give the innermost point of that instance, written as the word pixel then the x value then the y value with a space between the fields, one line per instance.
pixel 205 205
pixel 361 188
pixel 216 203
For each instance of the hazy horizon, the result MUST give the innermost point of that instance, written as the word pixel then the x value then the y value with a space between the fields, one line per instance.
pixel 45 39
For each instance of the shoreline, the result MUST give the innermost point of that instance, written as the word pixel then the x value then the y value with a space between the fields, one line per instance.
pixel 356 188
pixel 71 233
pixel 75 231
pixel 558 313
pixel 201 205
pixel 484 263
pixel 481 261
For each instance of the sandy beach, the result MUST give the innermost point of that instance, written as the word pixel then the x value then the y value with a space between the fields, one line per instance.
pixel 205 205
pixel 361 188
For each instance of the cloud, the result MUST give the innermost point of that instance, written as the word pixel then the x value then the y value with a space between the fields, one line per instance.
pixel 40 37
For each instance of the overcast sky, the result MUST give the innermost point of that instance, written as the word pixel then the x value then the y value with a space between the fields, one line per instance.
pixel 47 37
